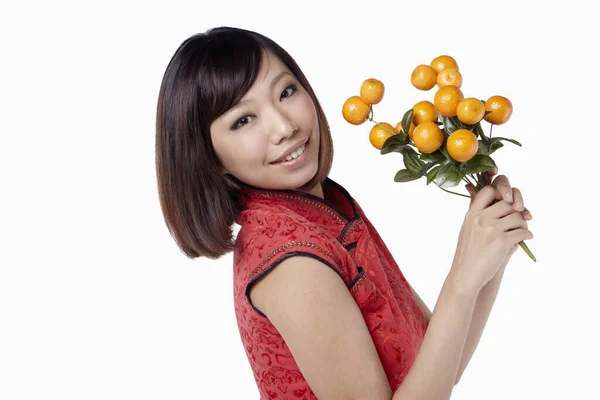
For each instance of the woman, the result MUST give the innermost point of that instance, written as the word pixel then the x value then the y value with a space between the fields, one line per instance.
pixel 322 308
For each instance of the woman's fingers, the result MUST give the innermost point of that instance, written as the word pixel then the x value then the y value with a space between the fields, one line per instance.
pixel 470 189
pixel 504 192
pixel 518 200
pixel 517 235
pixel 503 185
pixel 512 221
pixel 485 196
pixel 500 209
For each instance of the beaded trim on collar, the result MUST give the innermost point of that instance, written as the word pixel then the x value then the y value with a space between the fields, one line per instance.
pixel 306 198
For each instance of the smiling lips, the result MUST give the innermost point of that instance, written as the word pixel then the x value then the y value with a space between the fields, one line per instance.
pixel 294 154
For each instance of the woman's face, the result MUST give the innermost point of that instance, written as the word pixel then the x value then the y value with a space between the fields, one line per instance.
pixel 275 119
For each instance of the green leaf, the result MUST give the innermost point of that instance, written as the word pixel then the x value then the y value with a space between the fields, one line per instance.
pixel 497 139
pixel 487 112
pixel 395 143
pixel 479 163
pixel 449 159
pixel 449 124
pixel 432 173
pixel 448 176
pixel 478 131
pixel 398 148
pixel 412 162
pixel 436 157
pixel 459 123
pixel 495 146
pixel 426 168
pixel 487 149
pixel 406 120
pixel 405 175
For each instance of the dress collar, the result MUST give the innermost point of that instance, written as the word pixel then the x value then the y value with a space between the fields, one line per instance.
pixel 337 204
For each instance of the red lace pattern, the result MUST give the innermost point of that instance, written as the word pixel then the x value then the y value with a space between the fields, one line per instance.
pixel 279 224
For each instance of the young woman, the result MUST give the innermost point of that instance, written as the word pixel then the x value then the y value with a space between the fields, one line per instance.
pixel 323 309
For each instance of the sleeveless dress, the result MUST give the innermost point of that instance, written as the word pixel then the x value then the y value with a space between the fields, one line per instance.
pixel 276 224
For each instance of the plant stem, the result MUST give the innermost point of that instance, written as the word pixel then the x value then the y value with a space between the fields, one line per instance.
pixel 491 127
pixel 466 178
pixel 526 249
pixel 449 191
pixel 383 127
pixel 377 123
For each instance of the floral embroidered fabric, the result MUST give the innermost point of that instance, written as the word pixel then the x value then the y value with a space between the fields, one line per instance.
pixel 276 224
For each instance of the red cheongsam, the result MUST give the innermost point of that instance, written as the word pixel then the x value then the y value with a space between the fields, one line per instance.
pixel 276 224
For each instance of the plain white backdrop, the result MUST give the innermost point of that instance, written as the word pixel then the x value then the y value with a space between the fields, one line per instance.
pixel 96 300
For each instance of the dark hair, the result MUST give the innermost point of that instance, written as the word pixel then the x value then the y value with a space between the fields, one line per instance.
pixel 208 74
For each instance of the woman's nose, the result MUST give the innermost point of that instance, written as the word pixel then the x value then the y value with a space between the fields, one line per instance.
pixel 280 126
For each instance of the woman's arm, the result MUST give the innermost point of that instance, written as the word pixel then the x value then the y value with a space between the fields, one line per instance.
pixel 434 371
pixel 488 293
pixel 319 320
pixel 483 307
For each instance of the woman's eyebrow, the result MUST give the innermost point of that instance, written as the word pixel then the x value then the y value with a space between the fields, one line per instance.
pixel 273 83
pixel 278 77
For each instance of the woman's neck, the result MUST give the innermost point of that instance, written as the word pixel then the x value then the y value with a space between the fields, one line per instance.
pixel 317 191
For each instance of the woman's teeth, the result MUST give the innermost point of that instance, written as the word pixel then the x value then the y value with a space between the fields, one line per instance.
pixel 295 154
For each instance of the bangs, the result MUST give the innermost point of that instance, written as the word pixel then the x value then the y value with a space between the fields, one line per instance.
pixel 231 64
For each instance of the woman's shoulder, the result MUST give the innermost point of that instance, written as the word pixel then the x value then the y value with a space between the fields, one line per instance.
pixel 272 225
pixel 269 235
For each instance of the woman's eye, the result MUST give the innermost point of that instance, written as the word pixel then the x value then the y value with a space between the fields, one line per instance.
pixel 247 118
pixel 288 91
pixel 241 122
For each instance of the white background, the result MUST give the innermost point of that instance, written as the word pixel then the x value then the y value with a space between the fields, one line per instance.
pixel 96 300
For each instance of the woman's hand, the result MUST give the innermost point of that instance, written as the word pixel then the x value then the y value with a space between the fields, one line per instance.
pixel 493 227
pixel 504 192
pixel 507 193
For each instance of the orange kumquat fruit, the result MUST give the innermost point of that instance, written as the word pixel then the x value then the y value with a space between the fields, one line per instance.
pixel 355 110
pixel 462 145
pixel 372 91
pixel 470 110
pixel 446 100
pixel 380 133
pixel 428 137
pixel 501 109
pixel 423 77
pixel 442 62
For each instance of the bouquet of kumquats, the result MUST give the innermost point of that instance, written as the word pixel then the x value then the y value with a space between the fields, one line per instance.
pixel 442 141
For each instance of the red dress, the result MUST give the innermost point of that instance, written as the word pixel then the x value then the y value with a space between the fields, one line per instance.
pixel 276 224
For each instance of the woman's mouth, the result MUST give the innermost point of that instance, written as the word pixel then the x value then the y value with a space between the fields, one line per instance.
pixel 295 158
